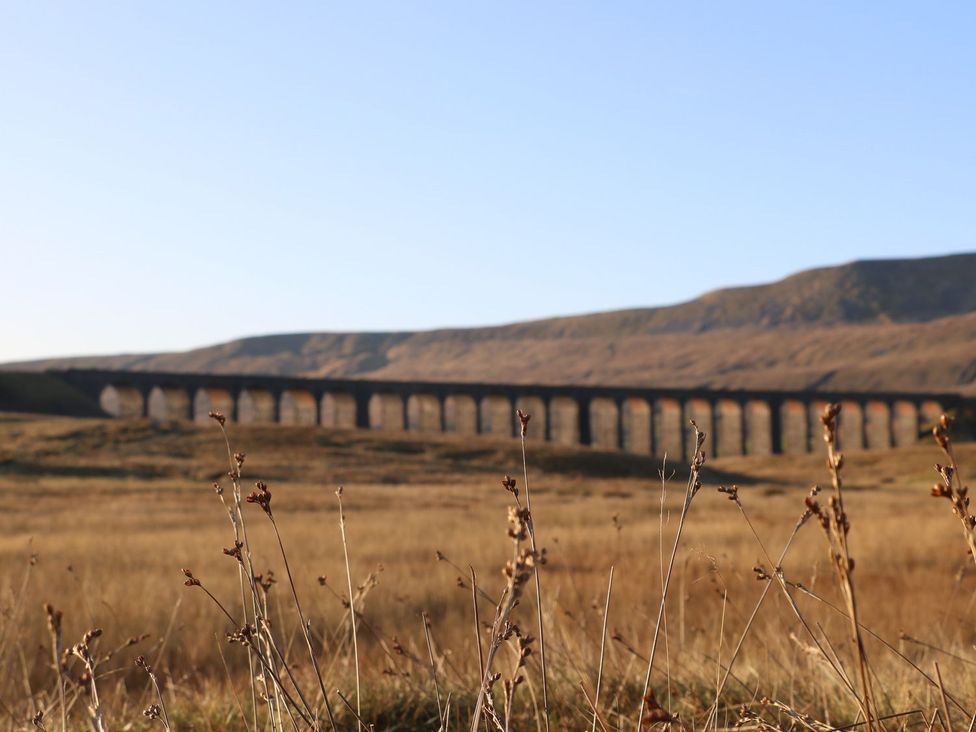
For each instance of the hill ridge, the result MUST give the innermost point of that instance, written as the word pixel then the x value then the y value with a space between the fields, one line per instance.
pixel 901 323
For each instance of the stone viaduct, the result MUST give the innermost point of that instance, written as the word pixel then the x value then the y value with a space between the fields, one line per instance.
pixel 638 420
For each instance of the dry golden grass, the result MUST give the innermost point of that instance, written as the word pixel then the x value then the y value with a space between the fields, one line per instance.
pixel 114 510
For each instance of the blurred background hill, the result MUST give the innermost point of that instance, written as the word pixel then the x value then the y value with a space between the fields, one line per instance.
pixel 900 324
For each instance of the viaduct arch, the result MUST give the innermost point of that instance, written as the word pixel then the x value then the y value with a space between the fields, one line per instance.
pixel 636 420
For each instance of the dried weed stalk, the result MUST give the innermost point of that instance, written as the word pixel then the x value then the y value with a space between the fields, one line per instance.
pixel 523 419
pixel 352 606
pixel 952 487
pixel 691 490
pixel 83 651
pixel 54 618
pixel 516 572
pixel 836 526
pixel 155 711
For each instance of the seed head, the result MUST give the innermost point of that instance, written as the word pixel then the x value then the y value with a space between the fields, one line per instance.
pixel 518 520
pixel 523 420
pixel 508 483
pixel 190 581
pixel 731 491
pixel 235 551
pixel 265 581
pixel 941 432
pixel 261 496
pixel 243 636
pixel 53 619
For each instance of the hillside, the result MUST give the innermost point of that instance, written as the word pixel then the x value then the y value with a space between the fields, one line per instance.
pixel 895 324
pixel 43 394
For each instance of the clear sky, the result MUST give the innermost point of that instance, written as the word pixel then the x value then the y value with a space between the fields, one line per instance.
pixel 180 173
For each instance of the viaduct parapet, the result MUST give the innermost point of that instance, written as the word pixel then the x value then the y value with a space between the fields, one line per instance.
pixel 634 419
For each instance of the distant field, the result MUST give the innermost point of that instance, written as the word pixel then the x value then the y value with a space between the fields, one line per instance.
pixel 114 510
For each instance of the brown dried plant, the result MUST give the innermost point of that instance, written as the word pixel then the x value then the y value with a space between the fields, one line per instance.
pixel 352 606
pixel 952 488
pixel 521 648
pixel 256 633
pixel 262 497
pixel 517 571
pixel 732 493
pixel 691 490
pixel 523 419
pixel 603 648
pixel 54 618
pixel 836 526
pixel 155 711
pixel 83 651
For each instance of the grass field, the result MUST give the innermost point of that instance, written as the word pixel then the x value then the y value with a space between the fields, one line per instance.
pixel 112 511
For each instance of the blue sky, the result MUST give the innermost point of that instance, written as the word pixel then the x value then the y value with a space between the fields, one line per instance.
pixel 177 174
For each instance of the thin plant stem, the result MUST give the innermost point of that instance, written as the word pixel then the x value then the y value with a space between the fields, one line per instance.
pixel 517 571
pixel 590 703
pixel 945 704
pixel 778 576
pixel 237 698
pixel 837 529
pixel 261 623
pixel 691 490
pixel 301 617
pixel 159 696
pixel 810 593
pixel 718 658
pixel 755 611
pixel 477 621
pixel 268 666
pixel 352 607
pixel 352 711
pixel 538 582
pixel 477 628
pixel 237 522
pixel 603 645
pixel 433 665
pixel 54 626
